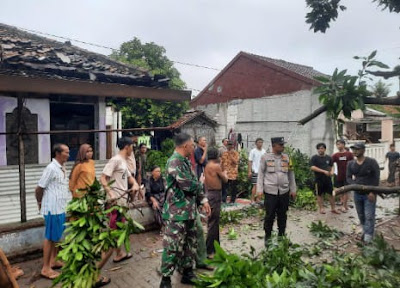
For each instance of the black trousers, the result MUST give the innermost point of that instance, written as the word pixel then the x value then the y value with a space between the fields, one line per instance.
pixel 214 199
pixel 224 192
pixel 275 205
pixel 232 188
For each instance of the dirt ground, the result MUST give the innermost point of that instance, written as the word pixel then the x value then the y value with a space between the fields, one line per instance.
pixel 142 269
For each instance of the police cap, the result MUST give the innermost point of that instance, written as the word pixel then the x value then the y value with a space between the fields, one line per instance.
pixel 278 140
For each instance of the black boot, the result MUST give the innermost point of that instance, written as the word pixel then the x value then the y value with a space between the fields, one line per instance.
pixel 165 282
pixel 188 276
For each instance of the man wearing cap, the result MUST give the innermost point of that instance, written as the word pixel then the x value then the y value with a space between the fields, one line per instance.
pixel 341 159
pixel 364 171
pixel 230 164
pixel 276 180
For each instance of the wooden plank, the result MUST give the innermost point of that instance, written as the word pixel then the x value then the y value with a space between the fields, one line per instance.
pixel 59 86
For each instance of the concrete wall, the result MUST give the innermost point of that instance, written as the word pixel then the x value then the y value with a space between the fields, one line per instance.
pixel 273 116
pixel 41 107
pixel 24 241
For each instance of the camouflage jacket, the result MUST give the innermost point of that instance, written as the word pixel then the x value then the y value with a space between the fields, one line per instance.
pixel 184 191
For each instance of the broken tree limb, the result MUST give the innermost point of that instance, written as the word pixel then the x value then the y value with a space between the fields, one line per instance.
pixel 364 189
pixel 313 115
pixel 385 74
pixel 369 100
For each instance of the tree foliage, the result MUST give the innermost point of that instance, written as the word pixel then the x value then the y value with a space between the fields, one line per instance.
pixel 147 112
pixel 380 89
pixel 323 12
pixel 88 235
pixel 345 93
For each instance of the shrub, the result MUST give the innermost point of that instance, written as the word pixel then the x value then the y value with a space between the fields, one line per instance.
pixel 305 199
pixel 159 158
pixel 244 183
pixel 301 167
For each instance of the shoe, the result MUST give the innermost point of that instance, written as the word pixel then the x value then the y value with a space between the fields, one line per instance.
pixel 165 282
pixel 188 277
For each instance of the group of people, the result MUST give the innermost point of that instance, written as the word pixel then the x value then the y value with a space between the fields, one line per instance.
pixel 196 182
pixel 361 170
pixel 55 189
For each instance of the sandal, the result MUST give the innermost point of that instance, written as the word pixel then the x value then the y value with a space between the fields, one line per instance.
pixel 126 257
pixel 103 281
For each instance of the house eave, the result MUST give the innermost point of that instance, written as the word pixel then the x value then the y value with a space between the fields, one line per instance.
pixel 20 84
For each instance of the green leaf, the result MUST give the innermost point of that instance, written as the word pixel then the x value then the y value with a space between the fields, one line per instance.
pixel 78 256
pixel 121 239
pixel 372 55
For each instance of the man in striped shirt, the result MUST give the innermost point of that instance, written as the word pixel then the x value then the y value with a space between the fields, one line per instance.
pixel 53 196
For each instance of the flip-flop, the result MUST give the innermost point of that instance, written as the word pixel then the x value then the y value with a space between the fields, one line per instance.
pixel 56 267
pixel 335 212
pixel 103 281
pixel 126 257
pixel 50 277
pixel 322 212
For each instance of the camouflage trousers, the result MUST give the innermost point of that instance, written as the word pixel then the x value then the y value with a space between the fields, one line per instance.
pixel 179 246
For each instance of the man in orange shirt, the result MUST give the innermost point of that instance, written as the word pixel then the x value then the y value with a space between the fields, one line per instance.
pixel 230 164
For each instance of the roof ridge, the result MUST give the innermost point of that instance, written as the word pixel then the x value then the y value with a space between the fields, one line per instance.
pixel 276 59
pixel 310 73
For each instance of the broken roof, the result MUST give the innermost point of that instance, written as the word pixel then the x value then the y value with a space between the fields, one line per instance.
pixel 27 54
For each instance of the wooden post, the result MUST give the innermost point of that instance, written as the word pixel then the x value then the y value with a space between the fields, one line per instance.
pixel 21 161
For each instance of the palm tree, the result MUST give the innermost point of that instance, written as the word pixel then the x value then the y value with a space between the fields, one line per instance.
pixel 380 89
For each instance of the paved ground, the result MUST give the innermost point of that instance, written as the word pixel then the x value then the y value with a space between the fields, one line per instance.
pixel 141 270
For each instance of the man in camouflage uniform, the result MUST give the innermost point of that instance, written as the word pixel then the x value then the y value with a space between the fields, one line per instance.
pixel 184 194
pixel 276 180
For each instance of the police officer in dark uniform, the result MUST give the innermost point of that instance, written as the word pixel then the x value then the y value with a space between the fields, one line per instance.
pixel 276 180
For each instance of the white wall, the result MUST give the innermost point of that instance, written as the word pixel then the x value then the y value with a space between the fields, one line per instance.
pixel 41 107
pixel 274 116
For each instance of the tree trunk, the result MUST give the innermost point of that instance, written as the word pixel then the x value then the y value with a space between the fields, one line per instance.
pixel 364 189
pixel 369 100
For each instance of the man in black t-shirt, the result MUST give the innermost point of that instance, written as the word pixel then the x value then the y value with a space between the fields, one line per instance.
pixel 322 165
pixel 364 171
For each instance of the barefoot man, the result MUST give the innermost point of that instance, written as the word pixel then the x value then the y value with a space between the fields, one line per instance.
pixel 322 166
pixel 52 195
pixel 214 176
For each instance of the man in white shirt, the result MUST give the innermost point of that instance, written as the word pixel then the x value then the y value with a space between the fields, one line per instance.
pixel 52 195
pixel 254 163
pixel 117 170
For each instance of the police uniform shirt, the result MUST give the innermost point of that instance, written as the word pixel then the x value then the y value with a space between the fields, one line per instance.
pixel 274 175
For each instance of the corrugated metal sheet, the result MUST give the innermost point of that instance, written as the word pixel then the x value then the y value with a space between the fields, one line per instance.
pixel 9 190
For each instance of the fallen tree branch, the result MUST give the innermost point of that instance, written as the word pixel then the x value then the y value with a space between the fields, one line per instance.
pixel 369 100
pixel 313 115
pixel 364 189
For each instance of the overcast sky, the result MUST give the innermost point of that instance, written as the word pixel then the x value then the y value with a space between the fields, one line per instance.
pixel 212 32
